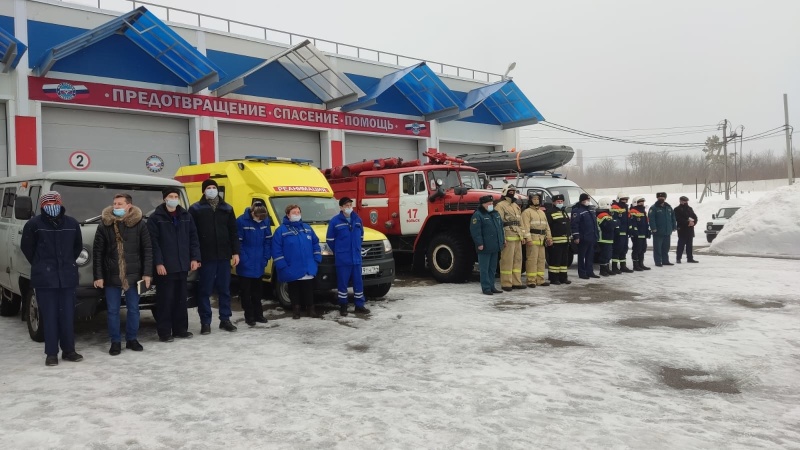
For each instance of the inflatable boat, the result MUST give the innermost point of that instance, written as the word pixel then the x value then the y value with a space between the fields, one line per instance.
pixel 523 161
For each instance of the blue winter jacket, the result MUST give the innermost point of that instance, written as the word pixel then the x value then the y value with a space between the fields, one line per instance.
pixel 662 219
pixel 583 223
pixel 174 240
pixel 255 242
pixel 639 226
pixel 608 227
pixel 295 251
pixel 622 214
pixel 345 239
pixel 52 245
pixel 486 229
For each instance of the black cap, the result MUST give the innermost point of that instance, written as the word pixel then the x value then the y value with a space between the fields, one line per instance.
pixel 583 197
pixel 170 190
pixel 684 198
pixel 558 197
pixel 661 194
pixel 486 199
pixel 209 182
pixel 345 200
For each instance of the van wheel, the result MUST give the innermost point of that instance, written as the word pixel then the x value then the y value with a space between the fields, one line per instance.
pixel 10 306
pixel 377 291
pixel 450 258
pixel 282 293
pixel 32 317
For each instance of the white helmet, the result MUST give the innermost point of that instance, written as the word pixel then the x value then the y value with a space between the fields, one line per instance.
pixel 622 195
pixel 604 203
pixel 509 187
pixel 638 199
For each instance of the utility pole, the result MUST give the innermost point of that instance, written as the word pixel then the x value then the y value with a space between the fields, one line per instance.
pixel 789 157
pixel 725 152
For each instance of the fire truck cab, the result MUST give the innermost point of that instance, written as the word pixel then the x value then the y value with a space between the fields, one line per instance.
pixel 279 182
pixel 423 208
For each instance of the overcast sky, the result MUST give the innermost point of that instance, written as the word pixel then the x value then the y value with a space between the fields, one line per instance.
pixel 589 65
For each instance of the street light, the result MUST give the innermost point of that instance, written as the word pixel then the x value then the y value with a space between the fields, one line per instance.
pixel 510 68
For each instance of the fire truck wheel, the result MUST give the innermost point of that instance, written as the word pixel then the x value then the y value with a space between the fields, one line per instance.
pixel 377 291
pixel 450 258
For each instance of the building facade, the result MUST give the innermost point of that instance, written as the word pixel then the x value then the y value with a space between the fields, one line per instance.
pixel 83 88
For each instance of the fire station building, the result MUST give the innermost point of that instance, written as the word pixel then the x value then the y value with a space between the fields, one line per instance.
pixel 84 88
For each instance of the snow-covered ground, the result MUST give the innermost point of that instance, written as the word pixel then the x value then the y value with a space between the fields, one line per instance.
pixel 769 227
pixel 689 356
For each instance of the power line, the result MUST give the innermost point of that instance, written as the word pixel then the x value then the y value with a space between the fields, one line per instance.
pixel 647 129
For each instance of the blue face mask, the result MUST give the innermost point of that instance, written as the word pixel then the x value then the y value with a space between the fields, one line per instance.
pixel 490 208
pixel 119 212
pixel 559 205
pixel 52 210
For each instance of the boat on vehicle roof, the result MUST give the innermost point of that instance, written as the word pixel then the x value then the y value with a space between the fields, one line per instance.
pixel 537 159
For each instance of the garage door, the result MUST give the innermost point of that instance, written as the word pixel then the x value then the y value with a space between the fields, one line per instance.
pixel 3 141
pixel 239 140
pixel 454 149
pixel 113 142
pixel 359 147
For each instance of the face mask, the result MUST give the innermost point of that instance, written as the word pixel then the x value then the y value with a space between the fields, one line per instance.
pixel 348 211
pixel 490 208
pixel 52 210
pixel 258 220
pixel 119 212
pixel 172 203
pixel 211 193
pixel 585 203
pixel 560 205
pixel 295 217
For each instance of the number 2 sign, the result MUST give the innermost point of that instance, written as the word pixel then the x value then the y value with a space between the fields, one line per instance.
pixel 79 160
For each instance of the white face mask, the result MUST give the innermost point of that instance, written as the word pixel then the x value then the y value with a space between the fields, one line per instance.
pixel 172 203
pixel 585 202
pixel 295 217
pixel 490 208
pixel 348 211
pixel 211 193
pixel 559 205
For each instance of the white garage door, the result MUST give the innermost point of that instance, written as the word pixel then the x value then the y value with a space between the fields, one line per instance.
pixel 455 149
pixel 238 140
pixel 113 142
pixel 3 141
pixel 360 147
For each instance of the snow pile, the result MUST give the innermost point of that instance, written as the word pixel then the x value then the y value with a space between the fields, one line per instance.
pixel 768 227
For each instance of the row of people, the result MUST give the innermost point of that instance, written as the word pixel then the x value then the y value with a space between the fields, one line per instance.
pixel 130 254
pixel 501 230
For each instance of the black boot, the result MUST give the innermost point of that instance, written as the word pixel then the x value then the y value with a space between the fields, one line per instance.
pixel 637 266
pixel 615 269
pixel 604 270
pixel 312 312
pixel 115 349
pixel 227 325
pixel 623 267
pixel 343 310
pixel 641 264
pixel 295 311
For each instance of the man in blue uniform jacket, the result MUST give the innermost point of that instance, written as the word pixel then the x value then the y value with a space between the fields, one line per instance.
pixel 486 229
pixel 584 233
pixel 345 236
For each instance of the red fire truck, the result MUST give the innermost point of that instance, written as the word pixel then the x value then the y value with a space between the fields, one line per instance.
pixel 423 208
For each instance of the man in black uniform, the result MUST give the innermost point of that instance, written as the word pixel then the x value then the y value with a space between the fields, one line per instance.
pixel 558 259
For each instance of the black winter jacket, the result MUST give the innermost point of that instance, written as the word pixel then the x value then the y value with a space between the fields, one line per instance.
pixel 682 215
pixel 137 260
pixel 175 243
pixel 52 245
pixel 216 229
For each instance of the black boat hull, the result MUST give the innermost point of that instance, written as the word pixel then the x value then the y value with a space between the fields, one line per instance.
pixel 524 161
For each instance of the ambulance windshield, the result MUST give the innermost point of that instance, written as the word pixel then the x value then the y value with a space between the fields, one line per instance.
pixel 313 209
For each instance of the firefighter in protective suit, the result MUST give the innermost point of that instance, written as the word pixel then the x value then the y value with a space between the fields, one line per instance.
pixel 511 256
pixel 534 222
pixel 561 230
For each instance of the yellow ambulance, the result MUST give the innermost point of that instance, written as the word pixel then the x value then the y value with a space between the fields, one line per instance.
pixel 279 182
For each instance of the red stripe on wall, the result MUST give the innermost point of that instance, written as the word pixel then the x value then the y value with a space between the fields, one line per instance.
pixel 25 128
pixel 207 150
pixel 337 156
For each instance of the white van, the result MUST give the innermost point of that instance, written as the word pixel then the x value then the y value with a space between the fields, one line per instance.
pixel 545 184
pixel 84 195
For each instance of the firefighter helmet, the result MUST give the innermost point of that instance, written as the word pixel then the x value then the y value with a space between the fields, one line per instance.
pixel 509 187
pixel 622 195
pixel 604 203
pixel 638 199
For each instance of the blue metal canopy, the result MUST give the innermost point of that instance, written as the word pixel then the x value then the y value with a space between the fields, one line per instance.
pixel 420 86
pixel 312 68
pixel 11 50
pixel 505 101
pixel 151 35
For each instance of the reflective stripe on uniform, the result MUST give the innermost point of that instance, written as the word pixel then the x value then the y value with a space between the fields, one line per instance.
pixel 512 238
